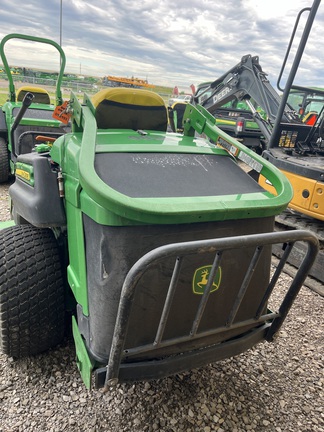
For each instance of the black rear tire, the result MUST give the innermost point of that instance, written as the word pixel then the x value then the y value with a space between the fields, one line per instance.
pixel 32 311
pixel 4 161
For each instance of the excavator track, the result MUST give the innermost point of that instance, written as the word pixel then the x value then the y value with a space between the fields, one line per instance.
pixel 291 220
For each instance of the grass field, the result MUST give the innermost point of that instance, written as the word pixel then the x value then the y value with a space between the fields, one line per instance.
pixel 165 92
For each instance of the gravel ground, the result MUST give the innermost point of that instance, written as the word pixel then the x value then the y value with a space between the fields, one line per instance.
pixel 273 387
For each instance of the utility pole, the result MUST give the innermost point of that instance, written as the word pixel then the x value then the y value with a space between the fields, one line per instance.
pixel 61 22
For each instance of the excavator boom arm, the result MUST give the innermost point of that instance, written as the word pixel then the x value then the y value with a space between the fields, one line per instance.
pixel 244 81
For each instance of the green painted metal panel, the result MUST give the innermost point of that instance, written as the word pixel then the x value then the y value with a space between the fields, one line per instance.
pixel 6 224
pixel 76 271
pixel 85 365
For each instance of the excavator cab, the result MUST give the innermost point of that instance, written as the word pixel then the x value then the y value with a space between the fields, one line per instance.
pixel 309 103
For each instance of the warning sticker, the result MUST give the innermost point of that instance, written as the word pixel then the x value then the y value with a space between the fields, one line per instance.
pixel 227 146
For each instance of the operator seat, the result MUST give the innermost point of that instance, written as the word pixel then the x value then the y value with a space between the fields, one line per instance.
pixel 130 108
pixel 40 94
pixel 310 118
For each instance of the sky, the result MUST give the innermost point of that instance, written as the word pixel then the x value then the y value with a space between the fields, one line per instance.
pixel 167 42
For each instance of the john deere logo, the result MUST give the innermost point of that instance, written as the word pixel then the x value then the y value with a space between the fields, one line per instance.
pixel 200 279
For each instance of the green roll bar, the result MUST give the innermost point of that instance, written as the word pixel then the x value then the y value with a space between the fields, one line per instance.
pixel 12 92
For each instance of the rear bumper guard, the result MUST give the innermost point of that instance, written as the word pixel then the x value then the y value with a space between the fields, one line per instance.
pixel 120 366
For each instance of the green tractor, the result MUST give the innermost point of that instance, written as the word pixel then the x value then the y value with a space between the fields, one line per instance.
pixel 28 112
pixel 157 244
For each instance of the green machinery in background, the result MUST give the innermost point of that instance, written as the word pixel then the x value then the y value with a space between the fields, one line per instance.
pixel 28 112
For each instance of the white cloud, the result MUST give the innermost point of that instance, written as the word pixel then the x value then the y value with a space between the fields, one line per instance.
pixel 166 42
pixel 269 10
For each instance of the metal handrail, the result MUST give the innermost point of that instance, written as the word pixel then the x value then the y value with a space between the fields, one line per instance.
pixel 294 67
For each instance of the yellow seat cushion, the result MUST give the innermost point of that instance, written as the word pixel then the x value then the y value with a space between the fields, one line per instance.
pixel 40 94
pixel 129 108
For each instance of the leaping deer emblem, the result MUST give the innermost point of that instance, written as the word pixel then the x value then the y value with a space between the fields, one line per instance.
pixel 200 279
pixel 204 279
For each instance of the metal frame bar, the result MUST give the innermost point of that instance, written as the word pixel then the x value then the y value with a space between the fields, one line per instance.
pixel 168 302
pixel 204 299
pixel 294 67
pixel 179 250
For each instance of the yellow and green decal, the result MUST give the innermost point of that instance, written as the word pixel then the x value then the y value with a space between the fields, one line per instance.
pixel 200 279
pixel 25 172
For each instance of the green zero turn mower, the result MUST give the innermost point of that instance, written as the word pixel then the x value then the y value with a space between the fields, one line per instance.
pixel 28 113
pixel 162 240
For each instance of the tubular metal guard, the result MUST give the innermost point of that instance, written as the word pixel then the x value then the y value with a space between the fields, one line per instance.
pixel 110 375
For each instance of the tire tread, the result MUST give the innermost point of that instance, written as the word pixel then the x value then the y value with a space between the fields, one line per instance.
pixel 32 292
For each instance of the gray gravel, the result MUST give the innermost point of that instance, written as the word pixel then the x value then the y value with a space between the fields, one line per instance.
pixel 273 387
